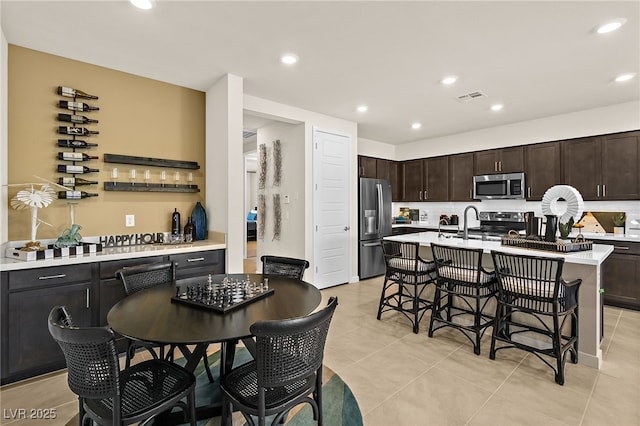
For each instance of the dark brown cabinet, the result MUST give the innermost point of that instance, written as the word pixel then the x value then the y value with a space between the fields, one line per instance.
pixel 436 179
pixel 621 166
pixel 426 179
pixel 29 296
pixel 388 169
pixel 367 167
pixel 503 160
pixel 461 177
pixel 89 290
pixel 542 168
pixel 605 167
pixel 412 173
pixel 621 275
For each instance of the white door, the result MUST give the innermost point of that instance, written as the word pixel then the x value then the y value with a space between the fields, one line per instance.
pixel 331 198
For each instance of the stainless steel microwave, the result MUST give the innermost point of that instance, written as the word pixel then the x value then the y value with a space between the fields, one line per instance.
pixel 496 187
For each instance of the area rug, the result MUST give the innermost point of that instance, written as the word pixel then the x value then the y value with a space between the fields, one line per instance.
pixel 340 407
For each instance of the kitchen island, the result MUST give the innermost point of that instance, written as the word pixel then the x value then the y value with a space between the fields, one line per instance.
pixel 586 265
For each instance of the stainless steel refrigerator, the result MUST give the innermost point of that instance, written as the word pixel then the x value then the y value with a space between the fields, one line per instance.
pixel 374 223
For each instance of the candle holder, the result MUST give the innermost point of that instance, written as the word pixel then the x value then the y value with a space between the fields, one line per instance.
pixel 114 176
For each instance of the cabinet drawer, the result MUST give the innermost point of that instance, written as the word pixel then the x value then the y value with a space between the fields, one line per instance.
pixel 199 263
pixel 108 269
pixel 621 247
pixel 44 277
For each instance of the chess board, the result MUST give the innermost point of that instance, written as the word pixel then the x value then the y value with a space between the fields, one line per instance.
pixel 222 297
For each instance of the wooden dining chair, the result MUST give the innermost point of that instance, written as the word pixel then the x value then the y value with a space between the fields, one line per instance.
pixel 287 369
pixel 108 396
pixel 141 277
pixel 284 266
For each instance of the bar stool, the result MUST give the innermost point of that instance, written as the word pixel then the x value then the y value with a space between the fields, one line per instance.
pixel 464 292
pixel 537 310
pixel 406 280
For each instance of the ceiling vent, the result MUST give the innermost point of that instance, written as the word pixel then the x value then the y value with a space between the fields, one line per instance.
pixel 471 96
pixel 246 134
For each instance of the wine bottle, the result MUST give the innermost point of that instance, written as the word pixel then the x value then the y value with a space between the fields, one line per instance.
pixel 76 156
pixel 75 118
pixel 66 130
pixel 73 143
pixel 75 195
pixel 77 106
pixel 75 169
pixel 189 231
pixel 75 181
pixel 74 93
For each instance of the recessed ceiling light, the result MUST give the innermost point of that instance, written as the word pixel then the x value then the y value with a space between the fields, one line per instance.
pixel 610 26
pixel 289 59
pixel 142 4
pixel 362 108
pixel 416 126
pixel 496 107
pixel 449 80
pixel 625 77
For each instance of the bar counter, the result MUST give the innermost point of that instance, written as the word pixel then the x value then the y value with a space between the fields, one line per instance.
pixel 586 265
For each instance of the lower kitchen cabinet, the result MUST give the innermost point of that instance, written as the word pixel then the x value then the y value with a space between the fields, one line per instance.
pixel 88 290
pixel 621 275
pixel 27 298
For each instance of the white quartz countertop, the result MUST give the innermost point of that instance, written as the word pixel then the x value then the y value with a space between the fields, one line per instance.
pixel 590 257
pixel 113 253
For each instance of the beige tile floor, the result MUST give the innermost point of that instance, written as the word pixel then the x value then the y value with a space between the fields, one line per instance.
pixel 401 378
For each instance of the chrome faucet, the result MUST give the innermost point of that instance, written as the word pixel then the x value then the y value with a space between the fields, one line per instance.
pixel 441 222
pixel 465 231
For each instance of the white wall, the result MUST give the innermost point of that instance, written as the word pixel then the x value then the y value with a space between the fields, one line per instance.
pixel 292 184
pixel 372 148
pixel 610 119
pixel 224 166
pixel 4 166
pixel 311 119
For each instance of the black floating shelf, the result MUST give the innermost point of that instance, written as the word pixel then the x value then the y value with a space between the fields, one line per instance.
pixel 148 161
pixel 149 187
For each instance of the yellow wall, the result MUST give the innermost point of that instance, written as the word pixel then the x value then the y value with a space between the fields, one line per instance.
pixel 138 116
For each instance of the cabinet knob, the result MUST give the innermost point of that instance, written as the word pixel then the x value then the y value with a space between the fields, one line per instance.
pixel 604 190
pixel 598 190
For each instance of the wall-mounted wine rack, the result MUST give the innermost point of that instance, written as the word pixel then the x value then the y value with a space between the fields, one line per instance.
pixel 146 186
pixel 71 119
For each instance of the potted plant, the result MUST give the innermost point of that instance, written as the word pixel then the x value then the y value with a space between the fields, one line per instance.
pixel 565 228
pixel 619 220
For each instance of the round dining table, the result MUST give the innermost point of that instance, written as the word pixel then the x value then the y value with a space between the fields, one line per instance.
pixel 152 315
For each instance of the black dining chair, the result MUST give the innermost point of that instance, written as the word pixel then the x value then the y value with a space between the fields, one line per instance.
pixel 465 293
pixel 406 282
pixel 284 266
pixel 286 370
pixel 141 277
pixel 537 309
pixel 108 396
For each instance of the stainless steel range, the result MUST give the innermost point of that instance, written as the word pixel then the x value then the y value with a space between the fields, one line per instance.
pixel 498 224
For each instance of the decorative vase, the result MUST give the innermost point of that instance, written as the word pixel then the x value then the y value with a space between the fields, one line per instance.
pixel 618 229
pixel 199 219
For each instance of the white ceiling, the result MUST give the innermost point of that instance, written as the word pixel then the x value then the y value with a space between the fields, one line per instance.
pixel 538 58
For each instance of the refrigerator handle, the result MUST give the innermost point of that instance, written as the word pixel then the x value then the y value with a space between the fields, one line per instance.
pixel 380 206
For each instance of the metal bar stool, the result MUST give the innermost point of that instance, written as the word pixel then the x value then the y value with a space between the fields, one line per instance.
pixel 537 310
pixel 405 282
pixel 464 292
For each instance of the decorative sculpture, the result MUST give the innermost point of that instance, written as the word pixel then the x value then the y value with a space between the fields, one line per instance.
pixel 34 199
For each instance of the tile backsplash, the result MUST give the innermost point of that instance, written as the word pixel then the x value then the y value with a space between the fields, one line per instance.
pixel 435 209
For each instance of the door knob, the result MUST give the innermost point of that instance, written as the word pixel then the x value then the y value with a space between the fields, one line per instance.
pixel 346 228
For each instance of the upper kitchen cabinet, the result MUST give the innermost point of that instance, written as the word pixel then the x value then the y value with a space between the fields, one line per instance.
pixel 605 167
pixel 461 177
pixel 367 167
pixel 503 160
pixel 388 169
pixel 542 168
pixel 621 166
pixel 426 179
